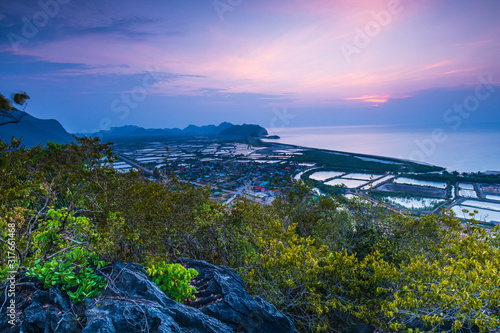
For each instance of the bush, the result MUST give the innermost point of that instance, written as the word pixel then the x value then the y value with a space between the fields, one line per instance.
pixel 453 287
pixel 317 288
pixel 59 252
pixel 174 280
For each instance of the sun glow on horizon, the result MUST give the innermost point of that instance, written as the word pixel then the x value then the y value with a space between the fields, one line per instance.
pixel 370 99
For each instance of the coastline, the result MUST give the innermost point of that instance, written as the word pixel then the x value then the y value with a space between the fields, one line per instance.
pixel 455 151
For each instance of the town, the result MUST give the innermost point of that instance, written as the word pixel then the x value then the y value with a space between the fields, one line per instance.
pixel 260 169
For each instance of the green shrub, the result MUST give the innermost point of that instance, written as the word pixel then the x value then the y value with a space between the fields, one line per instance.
pixel 73 273
pixel 63 255
pixel 314 286
pixel 455 286
pixel 174 280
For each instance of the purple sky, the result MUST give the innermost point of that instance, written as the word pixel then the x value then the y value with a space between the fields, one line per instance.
pixel 94 64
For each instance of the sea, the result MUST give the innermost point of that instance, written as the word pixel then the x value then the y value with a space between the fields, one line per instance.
pixel 463 150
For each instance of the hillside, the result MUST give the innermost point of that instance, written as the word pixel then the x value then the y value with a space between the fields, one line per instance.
pixel 245 130
pixel 329 264
pixel 224 128
pixel 34 130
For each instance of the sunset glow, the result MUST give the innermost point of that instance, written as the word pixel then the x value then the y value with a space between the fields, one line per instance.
pixel 323 57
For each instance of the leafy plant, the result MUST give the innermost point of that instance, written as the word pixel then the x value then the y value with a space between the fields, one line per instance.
pixel 73 272
pixel 174 280
pixel 64 257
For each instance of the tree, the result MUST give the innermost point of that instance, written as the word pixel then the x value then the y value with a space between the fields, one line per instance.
pixel 8 117
pixel 20 98
pixel 6 108
pixel 156 173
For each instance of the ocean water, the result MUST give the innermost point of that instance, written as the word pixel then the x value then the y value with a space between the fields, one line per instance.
pixel 470 150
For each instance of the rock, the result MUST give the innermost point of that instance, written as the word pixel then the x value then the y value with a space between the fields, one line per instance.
pixel 125 315
pixel 49 311
pixel 133 303
pixel 221 295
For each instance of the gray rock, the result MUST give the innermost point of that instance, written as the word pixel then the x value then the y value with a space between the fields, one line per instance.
pixel 132 299
pixel 221 294
pixel 49 311
pixel 132 303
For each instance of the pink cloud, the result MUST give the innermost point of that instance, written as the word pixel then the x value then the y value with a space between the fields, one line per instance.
pixel 301 57
pixel 370 99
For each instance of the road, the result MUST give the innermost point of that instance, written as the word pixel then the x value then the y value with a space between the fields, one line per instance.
pixel 238 192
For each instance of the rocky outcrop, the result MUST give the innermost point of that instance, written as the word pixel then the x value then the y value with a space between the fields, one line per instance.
pixel 133 303
pixel 221 295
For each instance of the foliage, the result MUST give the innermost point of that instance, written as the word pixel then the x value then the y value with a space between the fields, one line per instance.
pixel 453 288
pixel 5 104
pixel 313 285
pixel 20 98
pixel 174 280
pixel 51 243
pixel 7 115
pixel 72 272
pixel 324 261
pixel 59 252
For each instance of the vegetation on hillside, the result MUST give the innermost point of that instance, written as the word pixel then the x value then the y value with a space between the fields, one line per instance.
pixel 325 262
pixel 366 163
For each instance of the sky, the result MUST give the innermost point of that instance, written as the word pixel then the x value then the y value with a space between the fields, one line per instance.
pixel 163 64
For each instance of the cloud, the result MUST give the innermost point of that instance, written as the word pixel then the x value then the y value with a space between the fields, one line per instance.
pixel 370 99
pixel 265 53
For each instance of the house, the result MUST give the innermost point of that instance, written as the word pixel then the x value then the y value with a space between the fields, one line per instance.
pixel 259 189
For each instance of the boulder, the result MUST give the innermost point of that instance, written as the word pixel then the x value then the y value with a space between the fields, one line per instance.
pixel 221 294
pixel 133 303
pixel 49 311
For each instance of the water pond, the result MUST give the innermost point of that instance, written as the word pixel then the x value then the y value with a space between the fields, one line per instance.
pixel 415 203
pixel 493 197
pixel 467 193
pixel 324 175
pixel 466 186
pixel 481 204
pixel 485 215
pixel 363 176
pixel 350 183
pixel 403 180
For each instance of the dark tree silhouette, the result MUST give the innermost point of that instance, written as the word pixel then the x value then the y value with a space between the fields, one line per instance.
pixel 7 111
pixel 21 98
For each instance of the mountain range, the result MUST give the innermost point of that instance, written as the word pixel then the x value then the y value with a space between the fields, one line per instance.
pixel 223 129
pixel 34 130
